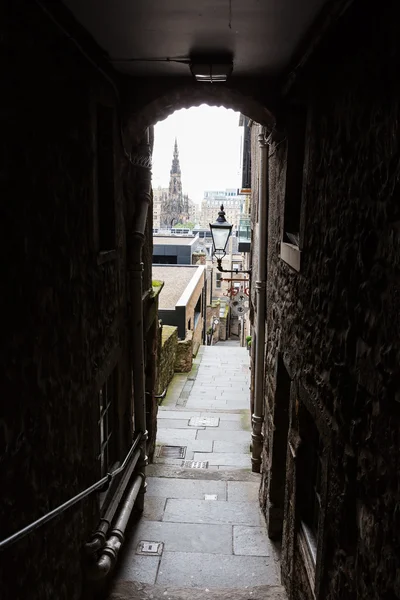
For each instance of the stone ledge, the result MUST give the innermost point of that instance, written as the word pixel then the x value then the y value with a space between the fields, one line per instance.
pixel 221 475
pixel 291 255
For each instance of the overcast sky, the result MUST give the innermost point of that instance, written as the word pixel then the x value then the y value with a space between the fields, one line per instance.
pixel 209 144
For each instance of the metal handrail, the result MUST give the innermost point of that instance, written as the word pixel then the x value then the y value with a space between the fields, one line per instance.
pixel 104 482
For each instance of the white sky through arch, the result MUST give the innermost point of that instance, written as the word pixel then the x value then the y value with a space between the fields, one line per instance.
pixel 209 143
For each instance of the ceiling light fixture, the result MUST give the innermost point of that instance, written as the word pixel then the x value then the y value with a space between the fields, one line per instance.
pixel 211 72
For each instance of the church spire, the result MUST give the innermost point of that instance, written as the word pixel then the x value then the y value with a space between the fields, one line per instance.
pixel 175 168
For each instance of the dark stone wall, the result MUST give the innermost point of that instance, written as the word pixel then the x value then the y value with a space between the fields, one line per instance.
pixel 64 306
pixel 335 324
pixel 169 342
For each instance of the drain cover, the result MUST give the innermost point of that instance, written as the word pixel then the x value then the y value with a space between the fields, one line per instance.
pixel 150 548
pixel 171 452
pixel 195 464
pixel 204 422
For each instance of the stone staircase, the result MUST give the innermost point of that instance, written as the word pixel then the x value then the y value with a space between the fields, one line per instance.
pixel 208 534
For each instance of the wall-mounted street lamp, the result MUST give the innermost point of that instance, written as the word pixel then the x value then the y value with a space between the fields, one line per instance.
pixel 220 232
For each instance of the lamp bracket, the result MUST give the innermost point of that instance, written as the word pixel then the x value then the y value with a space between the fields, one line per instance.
pixel 236 271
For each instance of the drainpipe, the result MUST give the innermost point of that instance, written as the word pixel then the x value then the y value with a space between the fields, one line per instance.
pixel 99 537
pixel 136 239
pixel 260 284
pixel 109 554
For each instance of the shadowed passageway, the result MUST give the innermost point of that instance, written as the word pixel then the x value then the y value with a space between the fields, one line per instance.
pixel 205 519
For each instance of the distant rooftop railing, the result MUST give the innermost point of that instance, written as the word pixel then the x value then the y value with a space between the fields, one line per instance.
pixel 244 228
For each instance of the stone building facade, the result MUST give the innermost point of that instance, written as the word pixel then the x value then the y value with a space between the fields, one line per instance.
pixel 210 206
pixel 160 197
pixel 73 221
pixel 331 424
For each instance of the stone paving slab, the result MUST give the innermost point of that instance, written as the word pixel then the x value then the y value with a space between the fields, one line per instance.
pixel 173 423
pixel 225 416
pixel 243 491
pixel 163 460
pixel 224 435
pixel 190 570
pixel 209 394
pixel 229 425
pixel 177 414
pixel 223 474
pixel 153 509
pixel 203 511
pixel 204 392
pixel 226 459
pixel 138 568
pixel 250 541
pixel 164 435
pixel 185 488
pixel 232 447
pixel 183 537
pixel 236 392
pixel 132 590
pixel 206 403
pixel 213 405
pixel 191 445
pixel 232 404
pixel 216 383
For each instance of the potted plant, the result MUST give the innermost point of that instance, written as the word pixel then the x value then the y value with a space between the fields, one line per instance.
pixel 248 342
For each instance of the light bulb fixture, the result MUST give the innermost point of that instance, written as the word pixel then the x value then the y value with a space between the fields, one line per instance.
pixel 210 72
pixel 220 233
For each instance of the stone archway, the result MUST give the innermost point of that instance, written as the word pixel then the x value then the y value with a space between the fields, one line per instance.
pixel 147 101
pixel 159 98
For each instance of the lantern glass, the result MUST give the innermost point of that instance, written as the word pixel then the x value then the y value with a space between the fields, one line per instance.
pixel 220 232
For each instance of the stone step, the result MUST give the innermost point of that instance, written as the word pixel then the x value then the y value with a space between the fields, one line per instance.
pixel 224 474
pixel 129 590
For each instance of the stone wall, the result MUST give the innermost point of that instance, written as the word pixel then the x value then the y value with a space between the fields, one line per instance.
pixel 169 342
pixel 64 302
pixel 333 326
pixel 184 354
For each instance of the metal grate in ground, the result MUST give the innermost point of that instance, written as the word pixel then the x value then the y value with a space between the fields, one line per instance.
pixel 171 452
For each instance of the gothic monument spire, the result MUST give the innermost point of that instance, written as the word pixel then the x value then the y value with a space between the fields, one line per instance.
pixel 173 209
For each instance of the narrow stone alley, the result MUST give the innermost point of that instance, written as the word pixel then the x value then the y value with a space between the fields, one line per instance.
pixel 202 533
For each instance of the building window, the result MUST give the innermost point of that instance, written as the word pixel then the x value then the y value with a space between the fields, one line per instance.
pixel 108 422
pixel 279 451
pixel 309 483
pixel 105 178
pixel 218 282
pixel 189 324
pixel 296 129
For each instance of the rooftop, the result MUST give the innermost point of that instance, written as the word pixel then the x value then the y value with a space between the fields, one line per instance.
pixel 176 279
pixel 173 240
